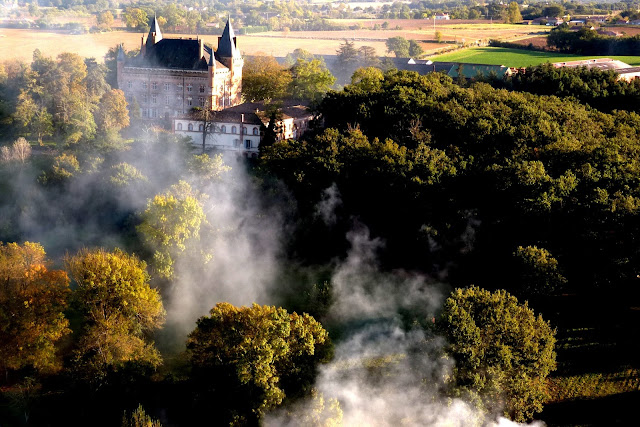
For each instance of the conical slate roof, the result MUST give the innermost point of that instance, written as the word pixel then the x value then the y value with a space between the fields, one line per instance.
pixel 227 43
pixel 155 28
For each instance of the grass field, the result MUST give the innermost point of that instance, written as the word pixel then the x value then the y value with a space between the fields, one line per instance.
pixel 517 57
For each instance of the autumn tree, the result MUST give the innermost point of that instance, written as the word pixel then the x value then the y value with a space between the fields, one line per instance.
pixel 32 301
pixel 503 352
pixel 64 167
pixel 33 118
pixel 256 354
pixel 136 18
pixel 105 20
pixel 112 113
pixel 171 222
pixel 311 80
pixel 264 79
pixel 119 309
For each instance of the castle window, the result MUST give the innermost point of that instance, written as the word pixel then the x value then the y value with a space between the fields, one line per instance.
pixel 154 99
pixel 154 85
pixel 179 126
pixel 189 102
pixel 144 98
pixel 154 113
pixel 255 131
pixel 130 84
pixel 189 87
pixel 145 113
pixel 244 130
pixel 166 100
pixel 201 88
pixel 247 144
pixel 236 143
pixel 167 86
pixel 223 129
pixel 190 127
pixel 144 85
pixel 200 128
pixel 202 102
pixel 179 86
pixel 233 129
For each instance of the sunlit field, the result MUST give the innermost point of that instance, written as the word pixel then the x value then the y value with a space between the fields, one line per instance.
pixel 517 57
pixel 20 43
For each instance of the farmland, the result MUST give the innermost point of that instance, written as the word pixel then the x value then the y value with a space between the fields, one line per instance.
pixel 516 57
pixel 20 43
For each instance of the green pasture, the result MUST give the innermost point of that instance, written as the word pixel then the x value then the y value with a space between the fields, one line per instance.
pixel 518 57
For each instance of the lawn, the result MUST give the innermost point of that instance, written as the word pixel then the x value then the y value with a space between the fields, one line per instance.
pixel 517 57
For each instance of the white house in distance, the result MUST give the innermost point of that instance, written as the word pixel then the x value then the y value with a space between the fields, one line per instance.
pixel 442 16
pixel 239 128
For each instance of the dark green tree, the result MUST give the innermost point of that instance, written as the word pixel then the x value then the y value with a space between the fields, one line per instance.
pixel 503 352
pixel 399 46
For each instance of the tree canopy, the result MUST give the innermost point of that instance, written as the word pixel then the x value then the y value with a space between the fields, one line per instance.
pixel 502 351
pixel 171 221
pixel 259 353
pixel 32 301
pixel 119 308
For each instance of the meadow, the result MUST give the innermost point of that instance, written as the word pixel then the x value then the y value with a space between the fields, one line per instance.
pixel 517 57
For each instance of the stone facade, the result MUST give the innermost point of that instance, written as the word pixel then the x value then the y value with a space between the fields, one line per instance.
pixel 171 76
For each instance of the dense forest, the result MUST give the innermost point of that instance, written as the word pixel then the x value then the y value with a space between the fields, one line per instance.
pixel 435 251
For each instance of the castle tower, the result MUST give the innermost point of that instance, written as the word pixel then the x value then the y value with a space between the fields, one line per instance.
pixel 154 36
pixel 229 55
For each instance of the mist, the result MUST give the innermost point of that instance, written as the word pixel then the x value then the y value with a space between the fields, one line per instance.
pixel 388 369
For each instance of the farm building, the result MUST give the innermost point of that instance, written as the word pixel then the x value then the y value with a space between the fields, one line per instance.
pixel 472 71
pixel 171 76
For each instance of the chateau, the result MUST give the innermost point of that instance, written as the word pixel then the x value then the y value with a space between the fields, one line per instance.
pixel 171 76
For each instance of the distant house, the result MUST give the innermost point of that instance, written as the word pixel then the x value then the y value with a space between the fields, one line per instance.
pixel 628 74
pixel 547 21
pixel 421 66
pixel 472 71
pixel 442 16
pixel 240 128
pixel 624 70
pixel 599 63
pixel 634 22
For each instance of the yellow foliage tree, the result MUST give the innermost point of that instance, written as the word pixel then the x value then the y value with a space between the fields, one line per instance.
pixel 119 308
pixel 169 223
pixel 32 301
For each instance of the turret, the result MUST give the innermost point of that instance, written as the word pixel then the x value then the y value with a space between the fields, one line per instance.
pixel 227 47
pixel 154 36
